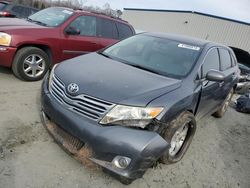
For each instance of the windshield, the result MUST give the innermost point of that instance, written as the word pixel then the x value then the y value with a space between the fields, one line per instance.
pixel 2 5
pixel 51 17
pixel 159 55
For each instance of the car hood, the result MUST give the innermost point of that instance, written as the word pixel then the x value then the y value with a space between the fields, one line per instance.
pixel 113 81
pixel 244 68
pixel 15 23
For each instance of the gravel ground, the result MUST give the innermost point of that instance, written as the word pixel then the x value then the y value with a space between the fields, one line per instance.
pixel 219 155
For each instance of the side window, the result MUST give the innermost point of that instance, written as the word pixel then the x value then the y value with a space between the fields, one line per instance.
pixel 24 12
pixel 233 60
pixel 225 59
pixel 124 31
pixel 16 10
pixel 107 28
pixel 27 12
pixel 32 11
pixel 85 24
pixel 211 62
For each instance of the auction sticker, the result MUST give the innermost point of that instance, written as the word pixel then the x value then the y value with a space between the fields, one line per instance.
pixel 189 47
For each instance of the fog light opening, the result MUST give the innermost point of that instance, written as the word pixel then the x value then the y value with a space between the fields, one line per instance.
pixel 121 162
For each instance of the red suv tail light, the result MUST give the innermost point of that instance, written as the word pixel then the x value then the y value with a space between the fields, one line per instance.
pixel 4 13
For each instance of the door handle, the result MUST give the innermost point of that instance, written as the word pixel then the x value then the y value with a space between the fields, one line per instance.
pixel 221 84
pixel 204 83
pixel 234 75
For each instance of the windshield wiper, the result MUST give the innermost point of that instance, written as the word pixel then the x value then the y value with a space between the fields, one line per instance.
pixel 133 65
pixel 105 55
pixel 144 68
pixel 38 22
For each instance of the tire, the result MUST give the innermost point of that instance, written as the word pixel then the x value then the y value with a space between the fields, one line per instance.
pixel 219 113
pixel 125 181
pixel 34 60
pixel 184 123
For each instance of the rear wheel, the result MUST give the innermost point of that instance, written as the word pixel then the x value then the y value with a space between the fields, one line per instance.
pixel 219 113
pixel 179 134
pixel 30 64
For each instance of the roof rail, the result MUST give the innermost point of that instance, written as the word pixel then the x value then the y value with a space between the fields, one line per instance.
pixel 101 13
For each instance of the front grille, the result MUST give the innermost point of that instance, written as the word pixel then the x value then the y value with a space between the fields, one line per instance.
pixel 85 105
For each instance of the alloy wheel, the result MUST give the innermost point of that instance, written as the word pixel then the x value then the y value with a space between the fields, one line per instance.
pixel 178 140
pixel 34 66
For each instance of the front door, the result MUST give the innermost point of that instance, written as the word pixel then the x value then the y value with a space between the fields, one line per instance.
pixel 84 42
pixel 211 91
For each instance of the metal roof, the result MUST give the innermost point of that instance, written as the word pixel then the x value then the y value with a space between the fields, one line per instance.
pixel 187 11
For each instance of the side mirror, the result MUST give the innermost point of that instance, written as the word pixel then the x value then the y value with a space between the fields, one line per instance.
pixel 72 31
pixel 215 76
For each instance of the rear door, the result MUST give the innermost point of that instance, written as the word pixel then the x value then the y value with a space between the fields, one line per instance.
pixel 107 32
pixel 211 91
pixel 87 41
pixel 227 66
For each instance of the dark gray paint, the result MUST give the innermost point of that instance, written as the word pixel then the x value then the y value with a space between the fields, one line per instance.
pixel 113 81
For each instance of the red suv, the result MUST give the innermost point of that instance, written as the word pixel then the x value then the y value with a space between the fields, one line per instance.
pixel 52 35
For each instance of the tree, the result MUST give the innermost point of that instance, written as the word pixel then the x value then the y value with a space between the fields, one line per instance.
pixel 74 4
pixel 119 13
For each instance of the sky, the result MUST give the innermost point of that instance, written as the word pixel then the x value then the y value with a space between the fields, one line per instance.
pixel 233 9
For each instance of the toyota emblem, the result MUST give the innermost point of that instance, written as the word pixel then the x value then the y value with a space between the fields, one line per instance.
pixel 73 88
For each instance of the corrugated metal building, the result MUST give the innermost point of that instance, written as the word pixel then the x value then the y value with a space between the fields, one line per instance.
pixel 226 31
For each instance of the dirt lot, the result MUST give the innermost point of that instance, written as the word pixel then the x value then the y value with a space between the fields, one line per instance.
pixel 218 157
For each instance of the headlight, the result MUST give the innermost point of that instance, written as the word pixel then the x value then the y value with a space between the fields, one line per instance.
pixel 131 116
pixel 51 76
pixel 5 39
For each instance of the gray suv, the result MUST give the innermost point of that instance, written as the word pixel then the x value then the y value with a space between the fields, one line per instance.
pixel 138 101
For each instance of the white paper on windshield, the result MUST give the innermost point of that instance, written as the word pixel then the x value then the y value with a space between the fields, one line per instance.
pixel 189 47
pixel 67 12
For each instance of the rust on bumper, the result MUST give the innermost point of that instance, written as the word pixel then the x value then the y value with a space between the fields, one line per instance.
pixel 81 151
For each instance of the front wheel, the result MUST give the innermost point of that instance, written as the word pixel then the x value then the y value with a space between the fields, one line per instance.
pixel 30 64
pixel 179 134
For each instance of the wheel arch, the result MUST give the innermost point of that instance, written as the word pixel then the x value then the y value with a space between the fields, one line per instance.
pixel 169 132
pixel 43 47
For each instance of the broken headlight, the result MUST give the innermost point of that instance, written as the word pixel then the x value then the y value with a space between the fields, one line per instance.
pixel 131 116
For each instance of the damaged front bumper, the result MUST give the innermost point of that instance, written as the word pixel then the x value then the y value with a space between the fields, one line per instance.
pixel 88 140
